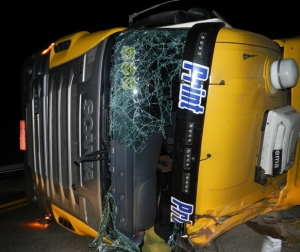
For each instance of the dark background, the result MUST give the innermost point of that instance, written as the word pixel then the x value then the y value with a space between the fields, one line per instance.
pixel 28 27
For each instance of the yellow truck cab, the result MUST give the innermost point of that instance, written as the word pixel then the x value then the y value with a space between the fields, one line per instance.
pixel 188 125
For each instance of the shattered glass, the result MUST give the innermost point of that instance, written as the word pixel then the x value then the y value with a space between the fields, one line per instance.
pixel 177 232
pixel 109 239
pixel 145 63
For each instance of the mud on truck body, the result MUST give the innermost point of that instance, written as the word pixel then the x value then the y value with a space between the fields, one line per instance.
pixel 189 123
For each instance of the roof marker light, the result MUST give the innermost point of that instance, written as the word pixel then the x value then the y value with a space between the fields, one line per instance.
pixel 48 49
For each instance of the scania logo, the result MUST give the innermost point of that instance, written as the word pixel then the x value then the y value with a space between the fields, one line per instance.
pixel 88 137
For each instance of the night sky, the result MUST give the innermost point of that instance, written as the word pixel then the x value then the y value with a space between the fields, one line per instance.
pixel 28 27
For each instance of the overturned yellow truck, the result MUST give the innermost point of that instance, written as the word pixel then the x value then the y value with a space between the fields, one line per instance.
pixel 187 123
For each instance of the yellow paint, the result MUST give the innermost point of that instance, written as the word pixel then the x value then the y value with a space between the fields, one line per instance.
pixel 80 227
pixel 292 50
pixel 13 205
pixel 239 94
pixel 206 229
pixel 81 42
pixel 289 196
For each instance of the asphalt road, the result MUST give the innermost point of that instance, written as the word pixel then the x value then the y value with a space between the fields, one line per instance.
pixel 21 229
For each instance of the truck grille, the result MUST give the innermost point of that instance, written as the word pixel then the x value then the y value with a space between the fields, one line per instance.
pixel 55 133
pixel 55 136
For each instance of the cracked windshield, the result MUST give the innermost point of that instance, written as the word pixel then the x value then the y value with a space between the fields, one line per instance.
pixel 145 65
